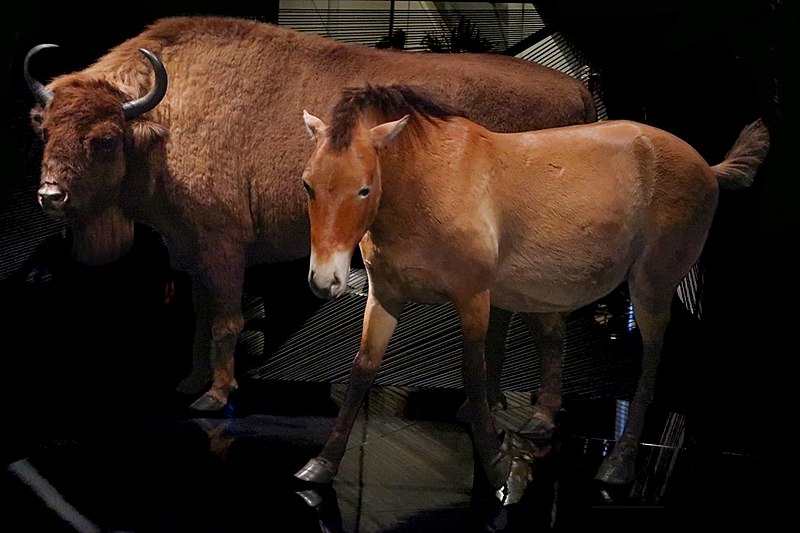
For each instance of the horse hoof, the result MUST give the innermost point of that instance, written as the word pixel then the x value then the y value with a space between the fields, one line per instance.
pixel 317 470
pixel 311 498
pixel 517 482
pixel 498 472
pixel 619 468
pixel 207 402
pixel 621 474
pixel 540 426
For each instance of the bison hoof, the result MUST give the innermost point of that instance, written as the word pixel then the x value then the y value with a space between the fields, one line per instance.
pixel 193 383
pixel 207 402
pixel 619 468
pixel 317 470
pixel 540 426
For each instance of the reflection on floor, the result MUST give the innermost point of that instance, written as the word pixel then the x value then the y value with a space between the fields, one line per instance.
pixel 409 468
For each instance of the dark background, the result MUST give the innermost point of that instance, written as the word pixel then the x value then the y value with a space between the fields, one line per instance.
pixel 700 69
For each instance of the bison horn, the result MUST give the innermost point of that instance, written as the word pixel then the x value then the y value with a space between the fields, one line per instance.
pixel 39 91
pixel 147 102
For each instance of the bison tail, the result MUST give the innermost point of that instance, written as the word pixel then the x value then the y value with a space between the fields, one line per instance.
pixel 742 161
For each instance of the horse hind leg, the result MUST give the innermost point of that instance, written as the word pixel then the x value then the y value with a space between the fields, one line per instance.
pixel 651 309
pixel 496 336
pixel 548 331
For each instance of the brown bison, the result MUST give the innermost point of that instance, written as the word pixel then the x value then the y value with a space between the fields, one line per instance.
pixel 192 128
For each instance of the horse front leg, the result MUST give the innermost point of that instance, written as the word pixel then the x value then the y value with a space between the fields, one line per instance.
pixel 380 320
pixel 474 314
pixel 549 332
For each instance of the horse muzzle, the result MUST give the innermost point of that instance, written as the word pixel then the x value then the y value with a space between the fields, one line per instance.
pixel 329 279
pixel 326 287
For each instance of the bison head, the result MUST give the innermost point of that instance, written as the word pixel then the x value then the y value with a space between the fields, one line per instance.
pixel 89 127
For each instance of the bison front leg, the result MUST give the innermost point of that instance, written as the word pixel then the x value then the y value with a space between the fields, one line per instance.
pixel 474 315
pixel 225 330
pixel 201 373
pixel 219 311
pixel 379 324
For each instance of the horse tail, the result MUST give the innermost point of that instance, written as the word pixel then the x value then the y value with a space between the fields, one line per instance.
pixel 743 159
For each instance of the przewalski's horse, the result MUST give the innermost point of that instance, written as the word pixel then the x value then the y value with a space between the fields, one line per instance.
pixel 444 209
pixel 209 160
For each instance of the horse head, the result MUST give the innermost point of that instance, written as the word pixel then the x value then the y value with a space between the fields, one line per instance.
pixel 344 191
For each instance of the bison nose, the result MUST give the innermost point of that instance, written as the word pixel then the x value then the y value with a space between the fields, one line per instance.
pixel 52 197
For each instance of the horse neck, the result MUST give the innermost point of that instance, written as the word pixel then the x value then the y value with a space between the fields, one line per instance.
pixel 405 192
pixel 103 238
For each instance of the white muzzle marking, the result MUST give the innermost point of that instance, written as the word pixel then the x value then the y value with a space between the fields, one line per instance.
pixel 328 279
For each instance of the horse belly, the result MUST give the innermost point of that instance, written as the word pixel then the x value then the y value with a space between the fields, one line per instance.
pixel 532 288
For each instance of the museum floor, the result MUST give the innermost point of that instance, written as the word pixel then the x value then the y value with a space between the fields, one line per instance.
pixel 97 439
pixel 158 467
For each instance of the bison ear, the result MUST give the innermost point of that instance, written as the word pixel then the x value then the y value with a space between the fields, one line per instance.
pixel 37 118
pixel 145 133
pixel 387 131
pixel 314 125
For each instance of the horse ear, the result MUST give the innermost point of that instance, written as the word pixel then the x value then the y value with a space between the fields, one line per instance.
pixel 387 131
pixel 314 125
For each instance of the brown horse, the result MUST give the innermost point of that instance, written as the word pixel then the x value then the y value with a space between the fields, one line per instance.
pixel 539 222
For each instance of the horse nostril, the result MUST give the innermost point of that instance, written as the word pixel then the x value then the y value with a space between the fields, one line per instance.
pixel 336 281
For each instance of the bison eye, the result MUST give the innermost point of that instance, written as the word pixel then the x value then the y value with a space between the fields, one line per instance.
pixel 309 189
pixel 363 193
pixel 103 145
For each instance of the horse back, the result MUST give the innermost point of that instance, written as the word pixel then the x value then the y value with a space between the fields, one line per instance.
pixel 610 161
pixel 617 181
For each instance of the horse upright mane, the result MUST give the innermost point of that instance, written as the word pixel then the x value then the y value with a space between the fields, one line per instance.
pixel 389 102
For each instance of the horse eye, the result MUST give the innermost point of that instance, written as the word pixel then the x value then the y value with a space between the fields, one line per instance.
pixel 364 192
pixel 308 189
